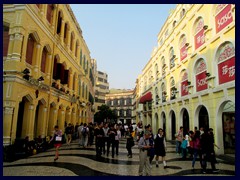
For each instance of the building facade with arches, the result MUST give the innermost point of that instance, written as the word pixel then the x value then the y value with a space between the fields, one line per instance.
pixel 48 78
pixel 189 80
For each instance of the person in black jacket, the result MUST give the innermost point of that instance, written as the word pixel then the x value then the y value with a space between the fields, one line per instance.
pixel 207 148
pixel 130 141
pixel 98 132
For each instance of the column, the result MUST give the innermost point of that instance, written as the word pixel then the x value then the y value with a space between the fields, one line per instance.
pixel 37 61
pixel 7 125
pixel 30 121
pixel 10 47
pixel 62 32
pixel 49 65
pixel 17 46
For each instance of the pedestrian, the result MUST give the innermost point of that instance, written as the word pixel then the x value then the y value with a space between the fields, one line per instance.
pixel 184 147
pixel 160 147
pixel 106 139
pixel 112 132
pixel 85 133
pixel 98 132
pixel 117 138
pixel 179 138
pixel 80 134
pixel 196 147
pixel 57 140
pixel 130 142
pixel 69 132
pixel 144 146
pixel 151 142
pixel 208 154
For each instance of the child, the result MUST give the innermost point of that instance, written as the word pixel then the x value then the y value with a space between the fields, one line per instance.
pixel 184 147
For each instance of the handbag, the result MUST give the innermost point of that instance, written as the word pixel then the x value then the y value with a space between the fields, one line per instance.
pixel 58 138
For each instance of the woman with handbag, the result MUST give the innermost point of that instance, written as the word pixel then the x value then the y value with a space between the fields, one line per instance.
pixel 57 140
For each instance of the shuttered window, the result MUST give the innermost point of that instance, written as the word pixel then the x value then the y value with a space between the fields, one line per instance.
pixel 50 12
pixel 59 23
pixel 30 47
pixel 6 38
pixel 55 69
pixel 71 43
pixel 44 59
pixel 62 74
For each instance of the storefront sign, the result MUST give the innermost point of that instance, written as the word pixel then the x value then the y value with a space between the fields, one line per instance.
pixel 226 71
pixel 226 66
pixel 199 37
pixel 183 50
pixel 201 81
pixel 223 17
pixel 184 88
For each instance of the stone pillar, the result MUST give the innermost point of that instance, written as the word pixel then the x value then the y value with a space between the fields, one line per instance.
pixel 30 121
pixel 61 119
pixel 70 81
pixel 10 47
pixel 62 32
pixel 36 61
pixel 7 125
pixel 43 123
pixel 17 47
pixel 49 65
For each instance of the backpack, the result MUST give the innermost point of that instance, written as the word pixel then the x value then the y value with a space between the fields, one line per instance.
pixel 84 131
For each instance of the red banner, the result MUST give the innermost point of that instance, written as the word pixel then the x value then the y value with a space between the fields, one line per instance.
pixel 183 53
pixel 184 88
pixel 199 39
pixel 226 71
pixel 201 81
pixel 223 18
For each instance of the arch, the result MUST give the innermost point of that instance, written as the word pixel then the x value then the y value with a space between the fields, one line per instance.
pixel 172 124
pixel 219 124
pixel 184 119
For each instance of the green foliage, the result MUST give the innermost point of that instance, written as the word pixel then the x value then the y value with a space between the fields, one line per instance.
pixel 104 113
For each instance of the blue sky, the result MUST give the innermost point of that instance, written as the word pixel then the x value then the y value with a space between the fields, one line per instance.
pixel 121 37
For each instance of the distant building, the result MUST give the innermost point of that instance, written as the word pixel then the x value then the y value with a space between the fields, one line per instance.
pixel 101 89
pixel 121 102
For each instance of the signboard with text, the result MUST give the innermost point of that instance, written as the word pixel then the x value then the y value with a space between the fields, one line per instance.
pixel 184 88
pixel 201 81
pixel 223 17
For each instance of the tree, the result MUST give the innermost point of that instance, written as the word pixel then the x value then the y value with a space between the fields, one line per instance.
pixel 104 113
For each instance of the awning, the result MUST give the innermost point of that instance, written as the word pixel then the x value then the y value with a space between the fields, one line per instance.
pixel 145 98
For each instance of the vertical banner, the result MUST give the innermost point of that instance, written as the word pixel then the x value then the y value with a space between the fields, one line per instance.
pixel 223 16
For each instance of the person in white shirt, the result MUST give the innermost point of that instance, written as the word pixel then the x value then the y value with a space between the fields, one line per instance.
pixel 117 138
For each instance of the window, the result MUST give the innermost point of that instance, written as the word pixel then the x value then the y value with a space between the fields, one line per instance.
pixel 30 47
pixel 223 16
pixel 65 33
pixel 199 36
pixel 226 62
pixel 172 58
pixel 59 23
pixel 44 59
pixel 182 13
pixel 172 89
pixel 71 43
pixel 201 70
pixel 6 38
pixel 50 8
pixel 183 48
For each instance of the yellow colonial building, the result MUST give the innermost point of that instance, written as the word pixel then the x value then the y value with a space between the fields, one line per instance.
pixel 189 80
pixel 47 78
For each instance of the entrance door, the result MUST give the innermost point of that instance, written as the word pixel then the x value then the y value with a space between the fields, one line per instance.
pixel 185 122
pixel 203 118
pixel 173 125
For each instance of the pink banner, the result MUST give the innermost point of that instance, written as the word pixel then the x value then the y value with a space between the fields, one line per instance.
pixel 183 53
pixel 226 71
pixel 199 39
pixel 223 18
pixel 201 81
pixel 184 88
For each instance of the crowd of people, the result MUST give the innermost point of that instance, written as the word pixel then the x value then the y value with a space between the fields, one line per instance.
pixel 193 144
pixel 198 143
